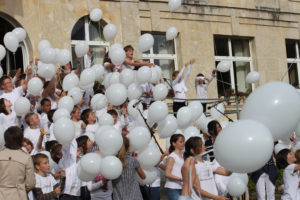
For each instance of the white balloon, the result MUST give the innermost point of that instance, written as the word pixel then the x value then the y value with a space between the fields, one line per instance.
pixel 1 72
pixel 143 74
pixel 90 163
pixel 64 57
pixel 11 41
pixel 155 75
pixel 280 146
pixel 76 94
pixel 86 87
pixel 114 78
pixel 236 186
pixel 22 106
pixel 113 47
pixel 111 167
pixel 51 162
pixel 64 130
pixel 134 91
pixel 174 5
pixel 158 111
pixel 110 32
pixel 87 77
pixel 48 56
pixel 106 80
pixel 133 111
pixel 196 109
pixel 98 102
pixel 81 48
pixel 96 14
pixel 2 52
pixel 151 175
pixel 201 123
pixel 106 119
pixel 191 131
pixel 296 146
pixel 46 71
pixel 215 111
pixel 167 127
pixel 139 137
pixel 99 71
pixel 20 33
pixel 252 77
pixel 269 105
pixel 70 81
pixel 184 117
pixel 160 92
pixel 127 77
pixel 253 146
pixel 109 141
pixel 146 42
pixel 297 129
pixel 171 33
pixel 224 66
pixel 91 136
pixel 43 44
pixel 117 56
pixel 116 94
pixel 224 124
pixel 158 69
pixel 242 176
pixel 67 103
pixel 35 86
pixel 61 113
pixel 149 157
pixel 82 175
pixel 2 141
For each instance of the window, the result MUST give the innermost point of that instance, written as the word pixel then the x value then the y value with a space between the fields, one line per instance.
pixel 92 33
pixel 238 52
pixel 163 54
pixel 293 61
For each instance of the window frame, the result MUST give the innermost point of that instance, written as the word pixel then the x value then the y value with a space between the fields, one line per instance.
pixel 296 60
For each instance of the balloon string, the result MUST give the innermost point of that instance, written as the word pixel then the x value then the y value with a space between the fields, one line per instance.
pixel 291 64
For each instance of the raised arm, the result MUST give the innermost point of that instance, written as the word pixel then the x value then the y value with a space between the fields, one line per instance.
pixel 187 74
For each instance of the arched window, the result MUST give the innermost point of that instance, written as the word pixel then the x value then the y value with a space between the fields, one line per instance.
pixel 92 33
pixel 20 58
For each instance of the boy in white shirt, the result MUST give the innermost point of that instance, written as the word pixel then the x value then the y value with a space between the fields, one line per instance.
pixel 117 123
pixel 33 132
pixel 46 186
pixel 45 123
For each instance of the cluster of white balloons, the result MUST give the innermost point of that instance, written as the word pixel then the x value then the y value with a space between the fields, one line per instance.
pixel 12 39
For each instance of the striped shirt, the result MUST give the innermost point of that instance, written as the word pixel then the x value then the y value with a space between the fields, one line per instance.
pixel 126 187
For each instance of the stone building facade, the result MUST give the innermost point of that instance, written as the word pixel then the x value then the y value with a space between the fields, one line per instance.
pixel 260 35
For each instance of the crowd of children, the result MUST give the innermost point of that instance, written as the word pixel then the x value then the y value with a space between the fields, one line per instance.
pixel 188 175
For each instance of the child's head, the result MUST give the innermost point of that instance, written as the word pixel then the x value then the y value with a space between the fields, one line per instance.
pixel 193 147
pixel 32 119
pixel 28 145
pixel 201 78
pixel 214 128
pixel 297 156
pixel 75 114
pixel 50 115
pixel 84 144
pixel 123 151
pixel 6 83
pixel 46 105
pixel 284 158
pixel 56 152
pixel 176 142
pixel 41 163
pixel 114 115
pixel 21 80
pixel 129 51
pixel 88 116
pixel 13 137
pixel 50 144
pixel 174 75
pixel 5 106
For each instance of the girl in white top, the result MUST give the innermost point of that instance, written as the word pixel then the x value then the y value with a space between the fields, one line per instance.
pixel 8 117
pixel 173 168
pixel 285 159
pixel 203 186
pixel 179 86
pixel 89 118
pixel 79 124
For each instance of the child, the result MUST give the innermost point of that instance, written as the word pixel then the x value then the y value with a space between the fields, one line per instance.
pixel 126 186
pixel 45 123
pixel 201 84
pixel 173 168
pixel 46 187
pixel 117 124
pixel 179 87
pixel 89 118
pixel 285 159
pixel 8 117
pixel 131 62
pixel 33 132
pixel 27 144
pixel 79 124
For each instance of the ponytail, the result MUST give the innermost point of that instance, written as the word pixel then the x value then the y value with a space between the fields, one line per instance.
pixel 123 151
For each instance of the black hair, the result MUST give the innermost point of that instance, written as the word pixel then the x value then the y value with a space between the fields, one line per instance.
pixel 50 115
pixel 13 137
pixel 2 107
pixel 50 144
pixel 128 47
pixel 3 78
pixel 192 143
pixel 44 100
pixel 281 158
pixel 200 74
pixel 174 138
pixel 85 115
pixel 212 128
pixel 112 112
pixel 81 142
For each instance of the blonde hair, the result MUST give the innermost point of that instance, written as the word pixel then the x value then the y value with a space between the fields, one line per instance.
pixel 123 151
pixel 28 117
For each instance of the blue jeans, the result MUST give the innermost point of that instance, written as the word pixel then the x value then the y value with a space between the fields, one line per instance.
pixel 154 193
pixel 173 194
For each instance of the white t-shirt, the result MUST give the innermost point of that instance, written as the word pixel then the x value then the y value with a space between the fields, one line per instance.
pixel 8 120
pixel 33 135
pixel 221 181
pixel 176 171
pixel 13 95
pixel 179 87
pixel 78 129
pixel 92 128
pixel 73 183
pixel 291 183
pixel 46 183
